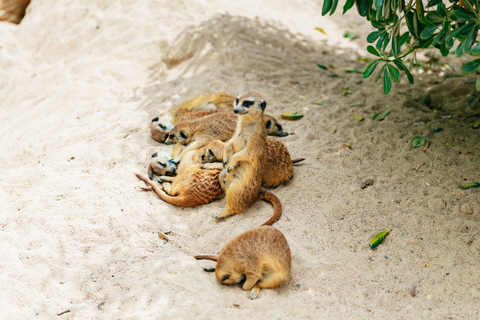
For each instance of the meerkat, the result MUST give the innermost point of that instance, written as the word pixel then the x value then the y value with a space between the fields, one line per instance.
pixel 278 167
pixel 195 134
pixel 160 161
pixel 245 154
pixel 260 256
pixel 160 126
pixel 160 133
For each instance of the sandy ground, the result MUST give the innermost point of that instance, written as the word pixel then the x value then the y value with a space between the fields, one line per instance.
pixel 79 83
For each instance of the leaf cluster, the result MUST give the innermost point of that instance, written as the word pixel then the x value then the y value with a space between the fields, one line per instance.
pixel 438 24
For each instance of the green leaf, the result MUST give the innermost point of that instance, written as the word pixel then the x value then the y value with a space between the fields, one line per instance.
pixel 379 74
pixel 373 51
pixel 327 5
pixel 321 66
pixel 401 41
pixel 393 72
pixel 420 10
pixel 432 3
pixel 458 30
pixel 444 50
pixel 404 68
pixel 381 116
pixel 477 85
pixel 350 35
pixel 362 7
pixel 461 15
pixel 437 38
pixel 418 142
pixel 378 238
pixel 470 185
pixel 434 17
pixel 469 5
pixel 367 72
pixel 377 4
pixel 348 5
pixel 387 84
pixel 471 66
pixel 466 43
pixel 428 32
pixel 395 47
pixel 334 6
pixel 386 41
pixel 374 35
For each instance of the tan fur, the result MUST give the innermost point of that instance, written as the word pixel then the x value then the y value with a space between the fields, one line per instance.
pixel 160 126
pixel 199 132
pixel 245 155
pixel 278 166
pixel 260 256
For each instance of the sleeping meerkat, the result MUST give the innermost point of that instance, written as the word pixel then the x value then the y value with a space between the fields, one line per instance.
pixel 278 167
pixel 197 133
pixel 260 256
pixel 244 155
pixel 160 132
pixel 160 126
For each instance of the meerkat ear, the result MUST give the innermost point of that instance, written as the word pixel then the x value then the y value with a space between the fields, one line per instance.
pixel 183 134
pixel 263 105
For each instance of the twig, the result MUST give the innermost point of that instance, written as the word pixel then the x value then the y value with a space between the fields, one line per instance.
pixel 63 312
pixel 470 240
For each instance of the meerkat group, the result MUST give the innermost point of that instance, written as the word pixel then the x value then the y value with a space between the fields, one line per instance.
pixel 218 147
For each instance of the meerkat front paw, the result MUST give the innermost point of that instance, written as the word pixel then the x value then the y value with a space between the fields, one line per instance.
pixel 255 293
pixel 218 215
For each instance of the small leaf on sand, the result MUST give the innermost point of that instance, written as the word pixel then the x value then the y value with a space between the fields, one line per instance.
pixel 357 117
pixel 348 145
pixel 345 91
pixel 379 237
pixel 319 103
pixel 321 66
pixel 470 185
pixel 364 60
pixel 321 30
pixel 418 142
pixel 292 115
pixel 366 183
pixel 426 145
pixel 350 35
pixel 476 125
pixel 381 116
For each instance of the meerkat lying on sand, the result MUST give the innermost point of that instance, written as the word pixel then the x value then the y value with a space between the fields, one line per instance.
pixel 197 133
pixel 245 154
pixel 261 257
pixel 160 126
pixel 160 131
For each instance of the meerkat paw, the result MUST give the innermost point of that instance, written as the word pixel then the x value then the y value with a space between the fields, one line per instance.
pixel 175 161
pixel 208 269
pixel 218 215
pixel 223 214
pixel 255 293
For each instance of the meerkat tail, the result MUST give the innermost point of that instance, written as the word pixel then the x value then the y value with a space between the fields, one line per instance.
pixel 150 172
pixel 298 160
pixel 203 257
pixel 175 200
pixel 277 207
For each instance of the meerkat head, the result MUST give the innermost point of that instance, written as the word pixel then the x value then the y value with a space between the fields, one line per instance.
pixel 177 136
pixel 227 275
pixel 249 102
pixel 273 127
pixel 159 128
pixel 160 164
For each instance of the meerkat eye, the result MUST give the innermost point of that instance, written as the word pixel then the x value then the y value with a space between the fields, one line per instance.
pixel 162 127
pixel 269 124
pixel 154 155
pixel 247 103
pixel 263 105
pixel 236 101
pixel 211 153
pixel 155 119
pixel 183 134
pixel 225 277
pixel 162 164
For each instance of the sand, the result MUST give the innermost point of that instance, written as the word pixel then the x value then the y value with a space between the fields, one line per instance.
pixel 79 83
